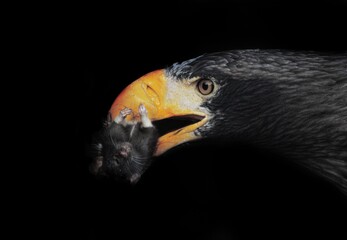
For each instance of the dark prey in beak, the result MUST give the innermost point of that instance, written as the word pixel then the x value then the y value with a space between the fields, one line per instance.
pixel 124 149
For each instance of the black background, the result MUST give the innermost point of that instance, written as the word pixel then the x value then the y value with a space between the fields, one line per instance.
pixel 201 190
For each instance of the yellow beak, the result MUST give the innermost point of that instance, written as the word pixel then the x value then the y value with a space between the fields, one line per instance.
pixel 151 90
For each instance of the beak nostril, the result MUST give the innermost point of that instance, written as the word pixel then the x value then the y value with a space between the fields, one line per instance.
pixel 149 90
pixel 153 96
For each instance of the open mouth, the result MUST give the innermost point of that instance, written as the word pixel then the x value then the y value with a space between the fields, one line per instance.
pixel 176 124
pixel 177 129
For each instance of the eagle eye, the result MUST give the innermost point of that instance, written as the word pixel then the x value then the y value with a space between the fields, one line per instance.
pixel 205 86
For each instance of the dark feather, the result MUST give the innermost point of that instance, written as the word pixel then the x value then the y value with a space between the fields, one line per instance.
pixel 294 103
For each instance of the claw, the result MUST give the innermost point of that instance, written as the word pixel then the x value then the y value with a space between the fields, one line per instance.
pixel 142 110
pixel 125 112
pixel 146 122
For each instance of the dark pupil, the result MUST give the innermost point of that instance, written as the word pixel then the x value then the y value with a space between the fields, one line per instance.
pixel 205 86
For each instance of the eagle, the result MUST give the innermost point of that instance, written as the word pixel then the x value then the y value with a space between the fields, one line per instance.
pixel 291 102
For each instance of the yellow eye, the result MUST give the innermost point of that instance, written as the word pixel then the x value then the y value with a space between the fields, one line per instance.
pixel 205 86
